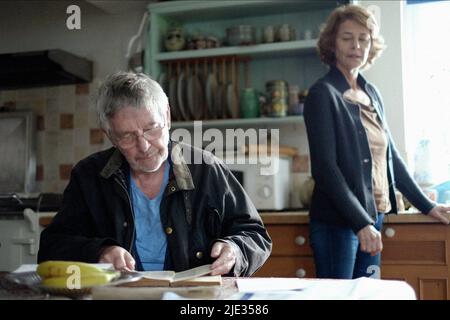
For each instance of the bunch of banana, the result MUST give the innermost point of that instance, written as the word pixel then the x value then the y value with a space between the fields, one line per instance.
pixel 73 274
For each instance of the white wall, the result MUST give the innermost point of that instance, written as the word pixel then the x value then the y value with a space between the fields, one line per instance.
pixel 40 25
pixel 387 72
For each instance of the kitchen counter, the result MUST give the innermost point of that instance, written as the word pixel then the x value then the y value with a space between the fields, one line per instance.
pixel 415 249
pixel 301 217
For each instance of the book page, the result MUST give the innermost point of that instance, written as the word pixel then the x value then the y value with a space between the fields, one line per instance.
pixel 158 275
pixel 192 273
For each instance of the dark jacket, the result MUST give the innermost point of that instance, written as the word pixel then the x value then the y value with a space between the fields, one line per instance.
pixel 202 204
pixel 341 162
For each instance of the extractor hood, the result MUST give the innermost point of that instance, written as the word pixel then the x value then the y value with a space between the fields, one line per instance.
pixel 43 68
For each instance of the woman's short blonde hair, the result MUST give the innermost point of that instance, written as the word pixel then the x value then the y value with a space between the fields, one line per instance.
pixel 327 40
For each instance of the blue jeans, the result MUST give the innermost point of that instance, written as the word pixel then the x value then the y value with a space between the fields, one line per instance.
pixel 337 254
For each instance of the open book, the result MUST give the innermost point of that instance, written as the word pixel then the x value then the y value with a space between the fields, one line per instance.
pixel 192 277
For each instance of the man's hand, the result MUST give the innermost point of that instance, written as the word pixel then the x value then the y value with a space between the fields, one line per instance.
pixel 438 213
pixel 226 258
pixel 118 256
pixel 370 240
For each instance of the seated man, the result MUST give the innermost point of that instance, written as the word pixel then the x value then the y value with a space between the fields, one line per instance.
pixel 141 205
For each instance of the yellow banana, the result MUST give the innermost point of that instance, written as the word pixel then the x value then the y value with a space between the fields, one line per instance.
pixel 71 282
pixel 50 269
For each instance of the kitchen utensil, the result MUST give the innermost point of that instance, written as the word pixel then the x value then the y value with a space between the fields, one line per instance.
pixel 211 89
pixel 234 104
pixel 223 98
pixel 195 94
pixel 176 115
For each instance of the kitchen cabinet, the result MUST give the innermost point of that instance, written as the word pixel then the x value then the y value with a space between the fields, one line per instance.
pixel 418 254
pixel 415 250
pixel 294 61
pixel 291 254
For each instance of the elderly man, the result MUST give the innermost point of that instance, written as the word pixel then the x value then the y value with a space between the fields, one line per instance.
pixel 140 205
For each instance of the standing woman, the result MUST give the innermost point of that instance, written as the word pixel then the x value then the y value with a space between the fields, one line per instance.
pixel 355 164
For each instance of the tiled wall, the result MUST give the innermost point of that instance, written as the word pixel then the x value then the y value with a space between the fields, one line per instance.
pixel 67 129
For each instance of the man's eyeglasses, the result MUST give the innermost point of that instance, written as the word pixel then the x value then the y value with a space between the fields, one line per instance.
pixel 129 140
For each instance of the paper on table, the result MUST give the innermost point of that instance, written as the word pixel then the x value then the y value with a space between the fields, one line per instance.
pixel 269 284
pixel 325 289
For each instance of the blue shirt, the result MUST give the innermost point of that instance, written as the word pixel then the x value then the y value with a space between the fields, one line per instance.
pixel 151 241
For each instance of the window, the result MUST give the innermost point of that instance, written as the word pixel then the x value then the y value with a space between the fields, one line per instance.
pixel 427 89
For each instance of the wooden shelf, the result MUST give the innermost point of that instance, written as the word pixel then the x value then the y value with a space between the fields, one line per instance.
pixel 277 49
pixel 201 10
pixel 252 122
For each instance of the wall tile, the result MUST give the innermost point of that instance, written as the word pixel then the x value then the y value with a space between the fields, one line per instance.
pixel 93 148
pixel 67 92
pixel 50 186
pixel 9 95
pixel 28 94
pixel 39 173
pixel 67 104
pixel 96 136
pixel 80 153
pixel 82 89
pixel 66 101
pixel 65 147
pixel 92 121
pixel 51 170
pixel 81 137
pixel 40 147
pixel 52 115
pixel 62 184
pixel 64 171
pixel 22 105
pixel 38 106
pixel 81 120
pixel 40 123
pixel 53 92
pixel 66 121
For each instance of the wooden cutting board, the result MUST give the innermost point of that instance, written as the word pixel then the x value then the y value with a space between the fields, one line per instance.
pixel 260 148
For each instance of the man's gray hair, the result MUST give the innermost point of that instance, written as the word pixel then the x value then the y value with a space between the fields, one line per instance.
pixel 127 89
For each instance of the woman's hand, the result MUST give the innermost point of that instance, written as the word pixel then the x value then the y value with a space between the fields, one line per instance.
pixel 438 213
pixel 370 240
pixel 118 256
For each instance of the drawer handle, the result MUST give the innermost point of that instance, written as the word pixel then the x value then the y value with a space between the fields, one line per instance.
pixel 300 273
pixel 300 240
pixel 389 232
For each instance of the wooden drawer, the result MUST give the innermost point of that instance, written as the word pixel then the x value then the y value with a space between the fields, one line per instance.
pixel 290 240
pixel 287 267
pixel 410 244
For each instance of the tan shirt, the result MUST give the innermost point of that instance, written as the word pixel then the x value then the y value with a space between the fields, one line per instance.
pixel 378 144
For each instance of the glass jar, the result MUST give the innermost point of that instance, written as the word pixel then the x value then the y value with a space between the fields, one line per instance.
pixel 277 98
